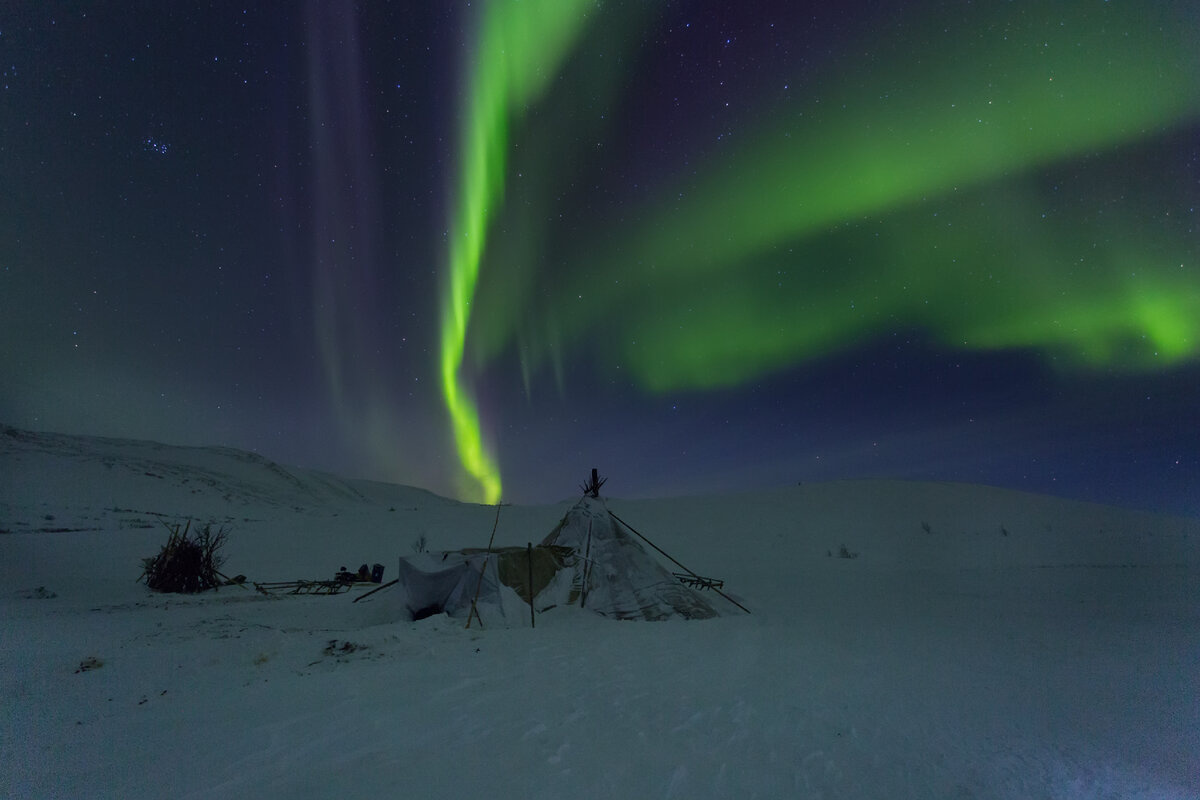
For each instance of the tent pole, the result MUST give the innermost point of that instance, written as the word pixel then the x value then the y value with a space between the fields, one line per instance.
pixel 587 567
pixel 652 544
pixel 376 589
pixel 479 584
pixel 673 561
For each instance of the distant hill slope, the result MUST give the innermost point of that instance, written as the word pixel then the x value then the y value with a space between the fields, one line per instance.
pixel 58 471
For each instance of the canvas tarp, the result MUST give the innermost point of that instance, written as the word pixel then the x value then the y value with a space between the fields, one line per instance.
pixel 498 581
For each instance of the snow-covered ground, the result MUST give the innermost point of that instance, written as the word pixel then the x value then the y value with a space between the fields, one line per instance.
pixel 983 643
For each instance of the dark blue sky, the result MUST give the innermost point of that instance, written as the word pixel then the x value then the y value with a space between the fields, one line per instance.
pixel 227 225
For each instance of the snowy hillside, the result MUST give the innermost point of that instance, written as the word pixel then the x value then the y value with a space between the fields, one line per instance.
pixel 94 471
pixel 907 640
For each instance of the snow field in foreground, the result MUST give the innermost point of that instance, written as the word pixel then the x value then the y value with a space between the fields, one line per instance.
pixel 866 685
pixel 982 644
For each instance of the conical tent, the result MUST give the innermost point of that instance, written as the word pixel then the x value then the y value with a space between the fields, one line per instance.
pixel 590 559
pixel 614 575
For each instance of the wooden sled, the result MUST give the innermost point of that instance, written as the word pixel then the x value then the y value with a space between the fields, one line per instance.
pixel 302 587
pixel 698 581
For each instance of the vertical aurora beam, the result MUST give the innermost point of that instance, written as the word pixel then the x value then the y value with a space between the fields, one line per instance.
pixel 519 46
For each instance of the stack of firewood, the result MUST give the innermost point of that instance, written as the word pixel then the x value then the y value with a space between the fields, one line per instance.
pixel 186 564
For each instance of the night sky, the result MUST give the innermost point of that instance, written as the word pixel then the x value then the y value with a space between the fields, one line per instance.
pixel 704 246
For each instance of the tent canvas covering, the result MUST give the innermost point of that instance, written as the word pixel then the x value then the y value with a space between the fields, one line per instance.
pixel 589 560
pixel 447 582
pixel 616 575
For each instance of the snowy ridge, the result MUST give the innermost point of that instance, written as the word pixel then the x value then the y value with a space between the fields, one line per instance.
pixel 979 643
pixel 126 473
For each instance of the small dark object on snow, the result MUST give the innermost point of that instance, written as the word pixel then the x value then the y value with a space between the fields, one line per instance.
pixel 186 564
pixel 332 649
pixel 365 574
pixel 88 664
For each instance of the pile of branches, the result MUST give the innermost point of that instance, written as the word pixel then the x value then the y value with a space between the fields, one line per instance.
pixel 186 564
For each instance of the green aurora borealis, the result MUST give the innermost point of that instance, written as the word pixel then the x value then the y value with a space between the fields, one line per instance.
pixel 971 182
pixel 704 246
pixel 519 46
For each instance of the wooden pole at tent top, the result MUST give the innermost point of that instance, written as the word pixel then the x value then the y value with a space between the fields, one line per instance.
pixel 482 567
